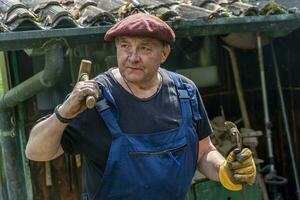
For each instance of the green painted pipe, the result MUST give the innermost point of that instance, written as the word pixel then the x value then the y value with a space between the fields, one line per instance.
pixel 30 87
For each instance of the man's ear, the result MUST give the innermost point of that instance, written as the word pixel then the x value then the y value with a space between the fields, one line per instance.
pixel 165 53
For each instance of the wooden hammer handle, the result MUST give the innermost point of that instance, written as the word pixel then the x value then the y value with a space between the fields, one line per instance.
pixel 85 68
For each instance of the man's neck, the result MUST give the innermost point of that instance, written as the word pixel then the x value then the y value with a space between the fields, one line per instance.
pixel 141 90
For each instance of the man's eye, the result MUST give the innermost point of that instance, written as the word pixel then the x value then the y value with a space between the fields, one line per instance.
pixel 144 48
pixel 124 46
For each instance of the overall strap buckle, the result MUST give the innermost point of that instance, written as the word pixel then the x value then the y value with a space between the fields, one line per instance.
pixel 102 105
pixel 187 91
pixel 107 110
pixel 183 93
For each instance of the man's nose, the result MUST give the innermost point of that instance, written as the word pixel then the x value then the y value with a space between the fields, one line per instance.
pixel 134 56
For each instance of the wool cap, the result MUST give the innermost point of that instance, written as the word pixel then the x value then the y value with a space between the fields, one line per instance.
pixel 141 24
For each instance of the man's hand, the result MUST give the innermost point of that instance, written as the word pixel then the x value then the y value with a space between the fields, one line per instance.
pixel 75 103
pixel 237 170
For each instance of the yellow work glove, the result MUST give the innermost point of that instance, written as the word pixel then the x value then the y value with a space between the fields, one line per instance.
pixel 237 169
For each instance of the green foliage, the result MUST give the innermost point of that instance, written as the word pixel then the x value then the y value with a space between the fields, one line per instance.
pixel 272 8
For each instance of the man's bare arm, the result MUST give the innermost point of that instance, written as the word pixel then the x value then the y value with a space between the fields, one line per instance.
pixel 209 159
pixel 45 137
pixel 44 141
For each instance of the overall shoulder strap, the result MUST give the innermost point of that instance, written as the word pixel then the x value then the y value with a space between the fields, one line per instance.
pixel 187 91
pixel 107 110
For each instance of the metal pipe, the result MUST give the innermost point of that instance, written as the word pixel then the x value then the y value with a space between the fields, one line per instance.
pixel 271 177
pixel 238 86
pixel 44 79
pixel 12 164
pixel 285 121
pixel 265 103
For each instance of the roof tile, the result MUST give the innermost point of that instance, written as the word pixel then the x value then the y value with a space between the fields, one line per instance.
pixel 18 15
pixel 14 14
pixel 91 15
pixel 187 11
pixel 111 6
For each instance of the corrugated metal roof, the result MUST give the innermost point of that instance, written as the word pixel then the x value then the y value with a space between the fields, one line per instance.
pixel 20 15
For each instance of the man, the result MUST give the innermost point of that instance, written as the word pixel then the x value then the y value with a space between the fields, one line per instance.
pixel 149 130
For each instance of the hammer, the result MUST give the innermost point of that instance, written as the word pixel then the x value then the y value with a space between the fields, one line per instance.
pixel 83 75
pixel 232 128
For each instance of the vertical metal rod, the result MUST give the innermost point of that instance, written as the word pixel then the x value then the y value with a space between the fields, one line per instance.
pixel 285 120
pixel 265 104
pixel 9 143
pixel 238 86
pixel 271 178
pixel 25 161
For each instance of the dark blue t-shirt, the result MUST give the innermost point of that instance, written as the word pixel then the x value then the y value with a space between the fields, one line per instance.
pixel 88 135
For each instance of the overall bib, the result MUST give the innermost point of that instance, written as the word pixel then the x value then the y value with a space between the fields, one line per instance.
pixel 155 166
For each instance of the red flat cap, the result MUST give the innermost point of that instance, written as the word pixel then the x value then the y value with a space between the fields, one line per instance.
pixel 141 24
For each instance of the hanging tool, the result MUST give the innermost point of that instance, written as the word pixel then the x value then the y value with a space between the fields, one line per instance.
pixel 285 121
pixel 271 177
pixel 233 130
pixel 78 160
pixel 48 174
pixel 70 171
pixel 244 112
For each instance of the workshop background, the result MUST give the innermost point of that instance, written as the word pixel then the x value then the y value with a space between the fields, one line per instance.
pixel 230 49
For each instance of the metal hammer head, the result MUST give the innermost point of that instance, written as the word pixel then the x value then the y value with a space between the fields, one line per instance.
pixel 85 69
pixel 232 128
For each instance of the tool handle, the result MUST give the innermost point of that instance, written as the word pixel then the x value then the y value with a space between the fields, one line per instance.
pixel 238 155
pixel 78 160
pixel 48 174
pixel 90 101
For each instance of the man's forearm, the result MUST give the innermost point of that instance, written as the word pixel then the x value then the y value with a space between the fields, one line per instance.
pixel 44 140
pixel 210 162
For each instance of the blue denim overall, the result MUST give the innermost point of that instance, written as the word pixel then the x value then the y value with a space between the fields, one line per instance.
pixel 155 166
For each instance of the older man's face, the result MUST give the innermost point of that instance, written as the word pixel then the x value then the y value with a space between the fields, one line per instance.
pixel 140 57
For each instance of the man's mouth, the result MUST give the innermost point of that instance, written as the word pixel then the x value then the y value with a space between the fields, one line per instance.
pixel 135 68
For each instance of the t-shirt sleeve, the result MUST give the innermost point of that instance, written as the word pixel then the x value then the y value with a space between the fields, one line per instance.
pixel 203 126
pixel 75 137
pixel 72 137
